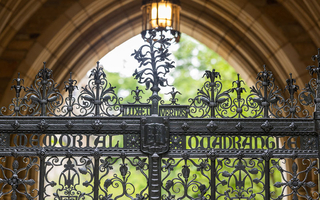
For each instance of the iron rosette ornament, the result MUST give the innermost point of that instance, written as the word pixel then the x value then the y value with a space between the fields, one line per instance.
pixel 19 181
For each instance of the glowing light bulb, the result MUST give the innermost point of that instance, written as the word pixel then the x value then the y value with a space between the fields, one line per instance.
pixel 161 15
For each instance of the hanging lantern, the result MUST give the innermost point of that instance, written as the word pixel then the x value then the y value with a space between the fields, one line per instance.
pixel 161 15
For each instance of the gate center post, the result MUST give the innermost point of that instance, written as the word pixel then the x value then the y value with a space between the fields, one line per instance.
pixel 154 142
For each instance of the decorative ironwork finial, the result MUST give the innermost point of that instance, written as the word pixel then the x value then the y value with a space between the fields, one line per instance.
pixel 212 75
pixel 70 86
pixel 44 74
pixel 210 99
pixel 98 97
pixel 238 87
pixel 291 87
pixel 155 63
pixel 173 98
pixel 316 69
pixel 18 87
pixel 136 96
pixel 265 76
pixel 266 92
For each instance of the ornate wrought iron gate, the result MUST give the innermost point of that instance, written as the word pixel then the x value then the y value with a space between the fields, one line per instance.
pixel 262 146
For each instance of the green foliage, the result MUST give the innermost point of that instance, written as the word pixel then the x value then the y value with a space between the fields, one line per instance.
pixel 191 60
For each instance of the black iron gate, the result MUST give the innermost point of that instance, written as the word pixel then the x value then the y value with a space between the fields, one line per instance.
pixel 262 146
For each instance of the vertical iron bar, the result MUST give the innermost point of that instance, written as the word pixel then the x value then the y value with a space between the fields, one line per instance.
pixel 155 87
pixel 267 178
pixel 266 107
pixel 43 99
pixel 97 82
pixel 317 106
pixel 154 177
pixel 212 100
pixel 213 179
pixel 96 178
pixel 316 115
pixel 41 177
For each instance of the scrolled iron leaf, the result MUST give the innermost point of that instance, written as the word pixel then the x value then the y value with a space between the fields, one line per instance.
pixel 35 160
pixel 278 184
pixel 224 182
pixel 52 183
pixel 29 182
pixel 147 85
pixel 256 180
pixel 123 170
pixel 186 171
pixel 226 174
pixel 169 184
pixel 294 167
pixel 107 184
pixel 108 197
pixel 15 165
pixel 83 170
pixel 48 163
pixel 313 163
pixel 311 184
pixel 202 188
pixel 254 171
pixel 221 100
pixel 51 99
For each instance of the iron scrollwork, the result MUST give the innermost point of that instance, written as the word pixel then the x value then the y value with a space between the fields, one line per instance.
pixel 120 179
pixel 44 95
pixel 240 178
pixel 42 98
pixel 265 96
pixel 210 100
pixel 75 173
pixel 98 98
pixel 187 184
